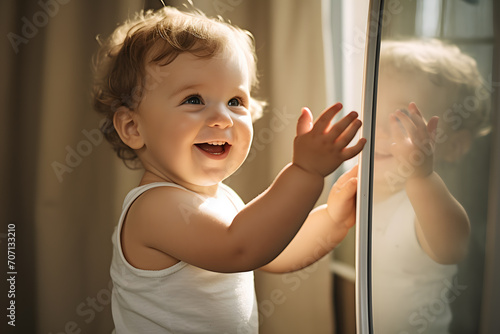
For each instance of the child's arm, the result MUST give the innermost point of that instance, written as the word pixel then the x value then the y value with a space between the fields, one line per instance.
pixel 290 199
pixel 442 225
pixel 325 227
pixel 173 223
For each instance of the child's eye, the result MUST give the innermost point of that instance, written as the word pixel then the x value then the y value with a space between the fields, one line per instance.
pixel 234 102
pixel 193 99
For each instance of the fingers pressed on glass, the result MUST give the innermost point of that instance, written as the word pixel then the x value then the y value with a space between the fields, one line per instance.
pixel 349 133
pixel 339 128
pixel 323 121
pixel 352 151
pixel 407 122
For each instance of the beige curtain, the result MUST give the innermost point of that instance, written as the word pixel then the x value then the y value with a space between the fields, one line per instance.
pixel 62 187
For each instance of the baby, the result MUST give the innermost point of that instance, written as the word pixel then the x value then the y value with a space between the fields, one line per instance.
pixel 176 89
pixel 420 231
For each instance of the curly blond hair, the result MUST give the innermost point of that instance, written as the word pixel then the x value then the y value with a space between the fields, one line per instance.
pixel 158 37
pixel 445 65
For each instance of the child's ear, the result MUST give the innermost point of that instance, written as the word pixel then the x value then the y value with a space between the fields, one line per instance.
pixel 458 145
pixel 125 122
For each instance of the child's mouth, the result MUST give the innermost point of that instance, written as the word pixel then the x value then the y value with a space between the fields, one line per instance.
pixel 214 148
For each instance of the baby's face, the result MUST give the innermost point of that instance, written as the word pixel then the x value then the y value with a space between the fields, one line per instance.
pixel 396 90
pixel 195 120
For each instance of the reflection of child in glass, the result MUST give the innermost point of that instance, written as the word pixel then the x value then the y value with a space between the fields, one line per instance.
pixel 420 231
pixel 176 88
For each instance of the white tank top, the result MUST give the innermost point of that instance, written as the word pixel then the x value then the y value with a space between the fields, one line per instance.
pixel 411 293
pixel 182 298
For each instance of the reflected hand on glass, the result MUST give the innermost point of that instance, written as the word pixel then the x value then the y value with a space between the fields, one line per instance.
pixel 413 140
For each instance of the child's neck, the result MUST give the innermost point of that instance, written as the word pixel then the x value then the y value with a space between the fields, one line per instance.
pixel 149 177
pixel 382 193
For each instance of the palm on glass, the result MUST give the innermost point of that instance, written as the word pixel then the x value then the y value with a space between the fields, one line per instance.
pixel 342 199
pixel 413 140
pixel 320 148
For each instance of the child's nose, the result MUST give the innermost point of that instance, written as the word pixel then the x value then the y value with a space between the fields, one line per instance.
pixel 220 117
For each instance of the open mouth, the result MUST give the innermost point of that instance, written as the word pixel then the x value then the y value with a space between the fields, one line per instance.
pixel 215 148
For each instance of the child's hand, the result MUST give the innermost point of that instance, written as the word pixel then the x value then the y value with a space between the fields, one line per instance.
pixel 413 140
pixel 321 148
pixel 341 204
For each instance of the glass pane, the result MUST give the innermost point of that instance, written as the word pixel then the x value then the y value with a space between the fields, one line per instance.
pixel 431 166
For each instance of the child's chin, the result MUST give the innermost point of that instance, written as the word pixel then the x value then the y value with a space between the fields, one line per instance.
pixel 387 179
pixel 210 174
pixel 211 180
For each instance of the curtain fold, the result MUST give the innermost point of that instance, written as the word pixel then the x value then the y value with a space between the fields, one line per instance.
pixel 20 98
pixel 78 193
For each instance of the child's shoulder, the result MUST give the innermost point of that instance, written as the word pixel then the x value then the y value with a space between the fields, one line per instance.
pixel 161 202
pixel 167 198
pixel 162 212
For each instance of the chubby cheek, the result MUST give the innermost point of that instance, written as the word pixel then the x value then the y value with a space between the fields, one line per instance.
pixel 241 147
pixel 245 136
